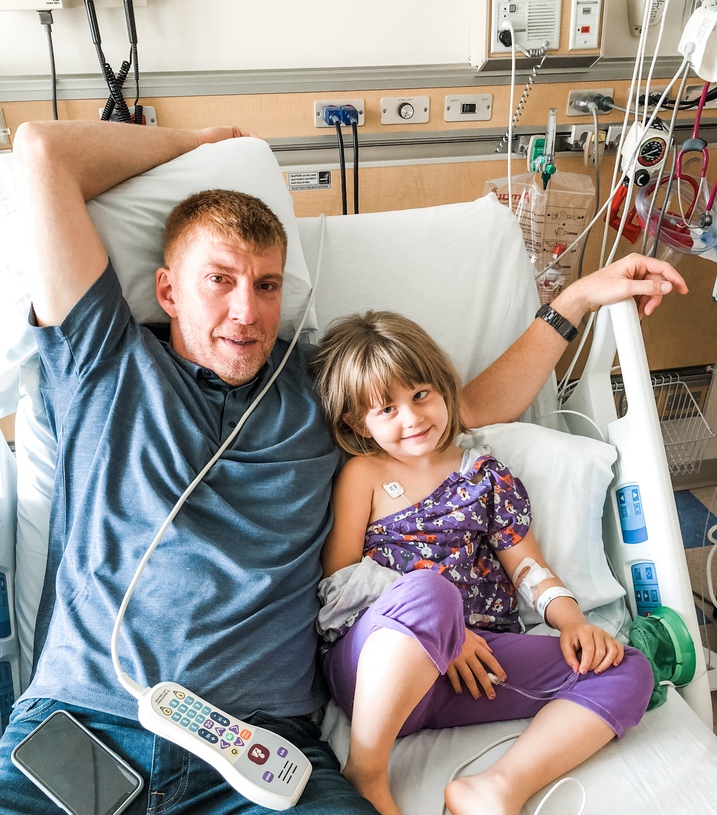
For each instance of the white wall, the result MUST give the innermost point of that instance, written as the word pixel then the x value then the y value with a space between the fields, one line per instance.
pixel 216 35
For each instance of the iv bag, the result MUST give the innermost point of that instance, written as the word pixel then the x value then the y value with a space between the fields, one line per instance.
pixel 551 220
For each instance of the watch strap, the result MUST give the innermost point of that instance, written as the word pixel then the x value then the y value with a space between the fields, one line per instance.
pixel 564 327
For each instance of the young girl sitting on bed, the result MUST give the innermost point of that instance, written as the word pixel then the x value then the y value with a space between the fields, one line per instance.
pixel 434 648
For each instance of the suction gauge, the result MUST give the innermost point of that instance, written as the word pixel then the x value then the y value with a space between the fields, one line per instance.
pixel 651 151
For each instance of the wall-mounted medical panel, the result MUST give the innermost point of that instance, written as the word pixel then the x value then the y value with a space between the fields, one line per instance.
pixel 619 39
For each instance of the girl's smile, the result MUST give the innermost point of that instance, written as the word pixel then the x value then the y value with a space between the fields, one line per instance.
pixel 410 423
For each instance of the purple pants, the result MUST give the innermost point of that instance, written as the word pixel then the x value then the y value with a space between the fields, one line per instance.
pixel 424 605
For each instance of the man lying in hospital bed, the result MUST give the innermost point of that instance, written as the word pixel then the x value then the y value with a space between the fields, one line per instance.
pixel 120 406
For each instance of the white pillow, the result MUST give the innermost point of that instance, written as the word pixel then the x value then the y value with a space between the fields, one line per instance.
pixel 567 478
pixel 459 270
pixel 130 219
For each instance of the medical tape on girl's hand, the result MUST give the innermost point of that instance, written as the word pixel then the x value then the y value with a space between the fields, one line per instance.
pixel 549 595
pixel 534 575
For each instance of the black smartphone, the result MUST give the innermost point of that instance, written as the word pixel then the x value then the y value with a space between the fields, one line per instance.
pixel 75 769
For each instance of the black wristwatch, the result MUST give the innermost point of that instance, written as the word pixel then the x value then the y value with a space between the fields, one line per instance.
pixel 564 327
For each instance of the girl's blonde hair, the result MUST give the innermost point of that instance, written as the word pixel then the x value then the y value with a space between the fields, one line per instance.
pixel 360 359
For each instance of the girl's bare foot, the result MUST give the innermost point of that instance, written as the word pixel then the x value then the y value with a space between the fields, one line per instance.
pixel 487 792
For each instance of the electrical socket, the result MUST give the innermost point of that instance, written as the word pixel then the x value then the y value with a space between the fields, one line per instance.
pixel 320 104
pixel 577 96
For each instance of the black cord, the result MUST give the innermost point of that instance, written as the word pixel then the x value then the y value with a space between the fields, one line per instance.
pixel 137 107
pixel 116 101
pixel 134 56
pixel 119 80
pixel 46 21
pixel 354 133
pixel 342 163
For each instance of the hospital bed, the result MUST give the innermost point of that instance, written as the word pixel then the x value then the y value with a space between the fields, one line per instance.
pixel 462 272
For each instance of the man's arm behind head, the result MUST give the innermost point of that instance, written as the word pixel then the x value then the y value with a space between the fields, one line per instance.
pixel 60 166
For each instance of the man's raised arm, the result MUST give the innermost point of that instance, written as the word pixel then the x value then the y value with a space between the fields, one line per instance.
pixel 61 165
pixel 507 387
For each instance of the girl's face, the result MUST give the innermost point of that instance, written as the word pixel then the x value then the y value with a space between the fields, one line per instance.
pixel 409 425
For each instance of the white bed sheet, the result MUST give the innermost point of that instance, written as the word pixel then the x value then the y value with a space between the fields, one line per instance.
pixel 667 765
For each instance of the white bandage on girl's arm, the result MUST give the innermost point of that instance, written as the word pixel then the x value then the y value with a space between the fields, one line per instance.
pixel 526 578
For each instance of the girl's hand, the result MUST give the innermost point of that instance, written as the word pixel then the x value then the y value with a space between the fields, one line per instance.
pixel 473 663
pixel 599 650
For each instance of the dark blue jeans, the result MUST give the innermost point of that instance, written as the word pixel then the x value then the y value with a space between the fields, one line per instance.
pixel 176 781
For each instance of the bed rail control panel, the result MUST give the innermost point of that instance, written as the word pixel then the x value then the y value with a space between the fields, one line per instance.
pixel 5 629
pixel 261 765
pixel 632 518
pixel 647 589
pixel 7 695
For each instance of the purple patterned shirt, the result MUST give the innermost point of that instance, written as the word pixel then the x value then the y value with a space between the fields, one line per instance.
pixel 456 531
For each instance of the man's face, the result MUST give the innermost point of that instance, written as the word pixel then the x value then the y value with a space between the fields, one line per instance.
pixel 224 302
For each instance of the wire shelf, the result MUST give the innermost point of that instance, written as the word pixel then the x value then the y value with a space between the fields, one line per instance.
pixel 685 431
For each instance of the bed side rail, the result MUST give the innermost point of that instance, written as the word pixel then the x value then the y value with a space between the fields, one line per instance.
pixel 641 529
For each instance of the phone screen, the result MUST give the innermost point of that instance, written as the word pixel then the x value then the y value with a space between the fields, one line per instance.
pixel 74 768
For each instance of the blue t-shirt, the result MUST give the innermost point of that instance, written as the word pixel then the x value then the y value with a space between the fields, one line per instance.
pixel 227 603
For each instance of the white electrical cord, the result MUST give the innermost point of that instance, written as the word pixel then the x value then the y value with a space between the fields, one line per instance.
pixel 684 67
pixel 634 86
pixel 574 413
pixel 615 187
pixel 565 381
pixel 509 25
pixel 497 743
pixel 658 43
pixel 126 681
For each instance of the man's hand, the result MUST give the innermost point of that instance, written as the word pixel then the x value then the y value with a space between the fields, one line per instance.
pixel 473 663
pixel 598 650
pixel 646 279
pixel 210 135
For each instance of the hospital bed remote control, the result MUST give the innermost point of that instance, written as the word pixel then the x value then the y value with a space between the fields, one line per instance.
pixel 262 766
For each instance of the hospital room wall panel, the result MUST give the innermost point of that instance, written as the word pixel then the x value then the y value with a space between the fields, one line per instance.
pixel 683 333
pixel 291 115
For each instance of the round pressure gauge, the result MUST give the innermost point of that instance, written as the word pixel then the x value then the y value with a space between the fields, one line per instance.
pixel 651 151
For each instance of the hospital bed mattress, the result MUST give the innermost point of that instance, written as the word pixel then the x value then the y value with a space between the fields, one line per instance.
pixel 667 765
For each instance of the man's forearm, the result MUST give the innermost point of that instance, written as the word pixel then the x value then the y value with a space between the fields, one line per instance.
pixel 507 387
pixel 98 155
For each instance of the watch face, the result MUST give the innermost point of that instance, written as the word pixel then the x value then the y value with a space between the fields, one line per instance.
pixel 652 151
